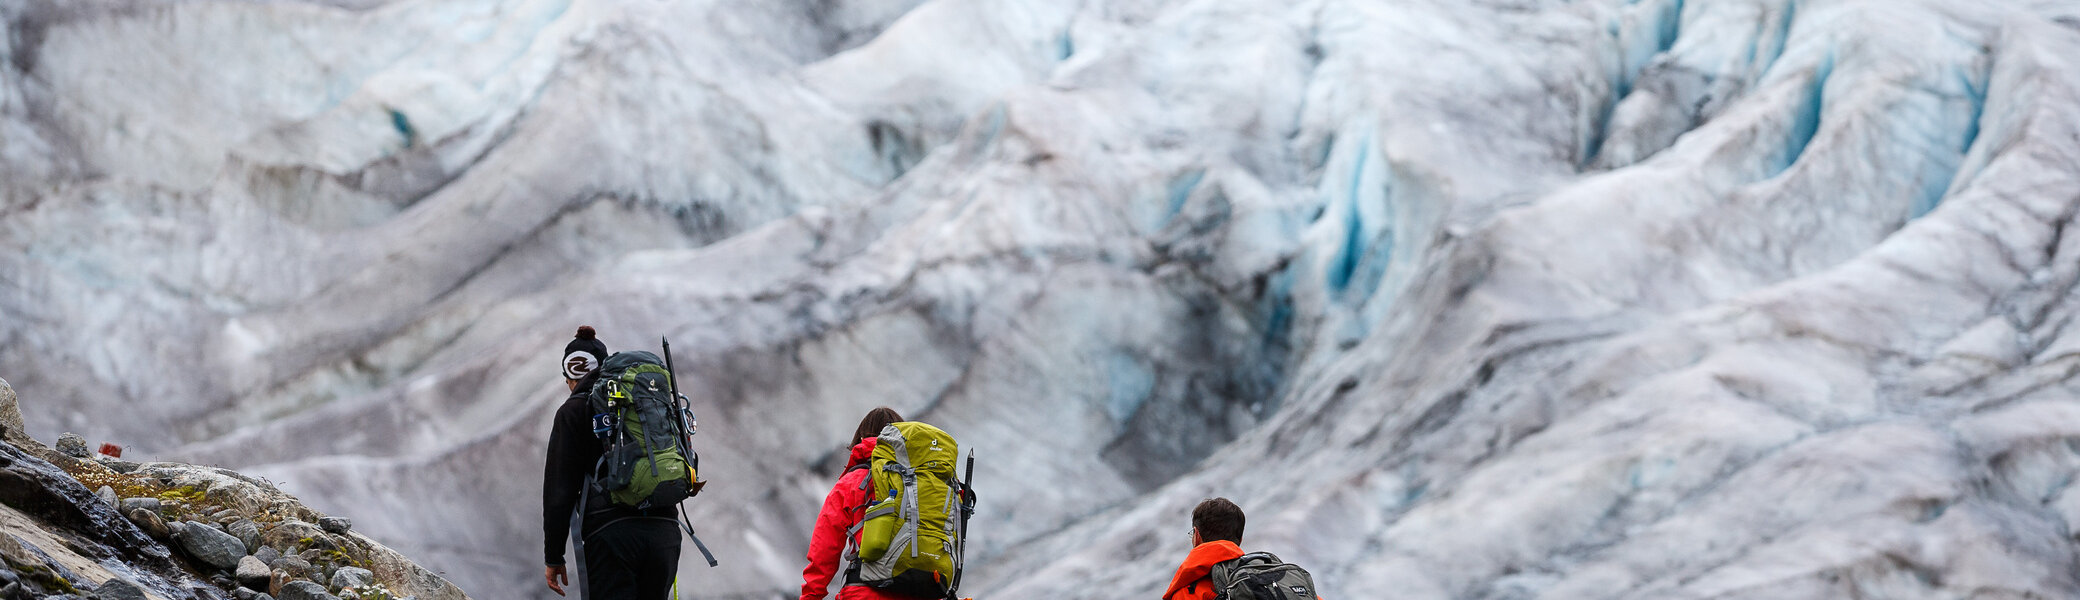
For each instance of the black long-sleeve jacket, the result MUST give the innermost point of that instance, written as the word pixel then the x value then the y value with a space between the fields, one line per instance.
pixel 573 452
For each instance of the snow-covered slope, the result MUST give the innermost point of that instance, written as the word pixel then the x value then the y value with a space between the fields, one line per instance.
pixel 1493 299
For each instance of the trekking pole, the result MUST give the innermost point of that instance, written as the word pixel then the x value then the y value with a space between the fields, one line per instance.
pixel 967 510
pixel 686 439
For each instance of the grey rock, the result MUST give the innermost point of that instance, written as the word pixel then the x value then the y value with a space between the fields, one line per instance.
pixel 118 465
pixel 336 525
pixel 151 504
pixel 351 577
pixel 246 531
pixel 11 591
pixel 149 521
pixel 7 576
pixel 290 533
pixel 268 555
pixel 71 444
pixel 323 542
pixel 108 494
pixel 223 514
pixel 304 590
pixel 10 412
pixel 296 566
pixel 119 590
pixel 244 593
pixel 251 572
pixel 205 543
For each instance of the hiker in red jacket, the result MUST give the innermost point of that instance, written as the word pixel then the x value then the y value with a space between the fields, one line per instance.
pixel 841 512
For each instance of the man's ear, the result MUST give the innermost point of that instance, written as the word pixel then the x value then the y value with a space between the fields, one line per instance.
pixel 1196 540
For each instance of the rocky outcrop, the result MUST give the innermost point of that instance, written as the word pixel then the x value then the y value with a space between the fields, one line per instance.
pixel 171 531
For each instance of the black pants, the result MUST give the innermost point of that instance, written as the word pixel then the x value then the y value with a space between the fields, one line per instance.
pixel 634 559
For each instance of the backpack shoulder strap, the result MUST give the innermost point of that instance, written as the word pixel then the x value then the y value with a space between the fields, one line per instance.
pixel 1222 573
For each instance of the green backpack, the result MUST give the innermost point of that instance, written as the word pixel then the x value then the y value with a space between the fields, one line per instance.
pixel 910 540
pixel 647 461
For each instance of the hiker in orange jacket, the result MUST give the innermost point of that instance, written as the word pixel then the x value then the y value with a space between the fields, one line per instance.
pixel 842 510
pixel 1216 538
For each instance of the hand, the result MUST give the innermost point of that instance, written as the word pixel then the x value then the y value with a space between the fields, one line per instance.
pixel 557 578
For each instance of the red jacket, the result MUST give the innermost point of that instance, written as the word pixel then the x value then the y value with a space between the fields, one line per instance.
pixel 841 510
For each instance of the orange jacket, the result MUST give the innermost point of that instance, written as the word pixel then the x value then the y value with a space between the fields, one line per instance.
pixel 1194 580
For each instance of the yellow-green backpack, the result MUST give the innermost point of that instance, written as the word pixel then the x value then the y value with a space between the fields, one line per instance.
pixel 909 541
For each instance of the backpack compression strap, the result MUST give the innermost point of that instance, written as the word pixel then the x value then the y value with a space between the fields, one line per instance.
pixel 687 523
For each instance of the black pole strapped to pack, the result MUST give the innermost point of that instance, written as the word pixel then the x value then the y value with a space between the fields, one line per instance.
pixel 961 545
pixel 578 536
pixel 686 437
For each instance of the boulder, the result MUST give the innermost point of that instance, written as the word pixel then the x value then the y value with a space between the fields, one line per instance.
pixel 246 531
pixel 119 589
pixel 149 521
pixel 108 494
pixel 116 464
pixel 304 590
pixel 291 533
pixel 71 444
pixel 147 503
pixel 295 566
pixel 352 577
pixel 10 413
pixel 251 572
pixel 207 544
pixel 336 525
pixel 268 555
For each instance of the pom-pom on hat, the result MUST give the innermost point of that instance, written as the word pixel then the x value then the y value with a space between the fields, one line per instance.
pixel 583 354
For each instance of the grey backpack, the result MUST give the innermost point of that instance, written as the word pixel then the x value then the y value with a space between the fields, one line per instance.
pixel 1261 576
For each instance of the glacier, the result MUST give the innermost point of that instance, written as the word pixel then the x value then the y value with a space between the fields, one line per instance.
pixel 1458 299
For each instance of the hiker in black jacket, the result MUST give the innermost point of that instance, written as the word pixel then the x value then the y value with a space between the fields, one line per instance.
pixel 625 553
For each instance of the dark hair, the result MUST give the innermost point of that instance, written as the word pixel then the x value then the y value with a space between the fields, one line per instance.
pixel 1218 519
pixel 876 419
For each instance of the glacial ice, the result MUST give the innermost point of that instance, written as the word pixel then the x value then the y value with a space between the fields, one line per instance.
pixel 1496 299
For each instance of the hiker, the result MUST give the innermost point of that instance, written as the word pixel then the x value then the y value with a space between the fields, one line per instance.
pixel 842 510
pixel 625 552
pixel 1217 556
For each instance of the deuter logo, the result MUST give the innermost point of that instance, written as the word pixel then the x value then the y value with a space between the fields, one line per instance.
pixel 1301 590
